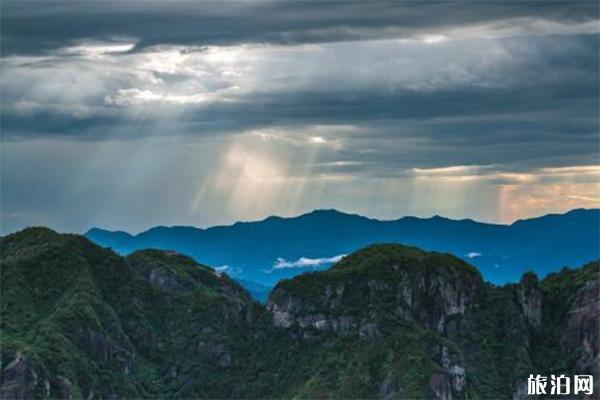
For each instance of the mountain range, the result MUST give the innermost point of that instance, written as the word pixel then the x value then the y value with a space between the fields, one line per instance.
pixel 387 321
pixel 259 254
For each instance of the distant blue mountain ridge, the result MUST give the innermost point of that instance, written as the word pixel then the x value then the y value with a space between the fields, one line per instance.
pixel 259 254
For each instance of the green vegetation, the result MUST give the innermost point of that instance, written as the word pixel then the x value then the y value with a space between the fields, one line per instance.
pixel 387 321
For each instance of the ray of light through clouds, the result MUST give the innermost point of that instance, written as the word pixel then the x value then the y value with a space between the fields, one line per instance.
pixel 134 114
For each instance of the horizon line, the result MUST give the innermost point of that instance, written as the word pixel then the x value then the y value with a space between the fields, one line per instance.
pixel 335 210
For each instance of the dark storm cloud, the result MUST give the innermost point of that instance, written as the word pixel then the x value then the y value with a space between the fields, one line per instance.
pixel 537 108
pixel 32 27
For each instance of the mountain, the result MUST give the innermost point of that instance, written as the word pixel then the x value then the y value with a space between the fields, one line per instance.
pixel 399 322
pixel 80 321
pixel 266 251
pixel 387 321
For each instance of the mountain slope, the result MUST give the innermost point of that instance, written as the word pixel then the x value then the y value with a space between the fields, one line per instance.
pixel 275 248
pixel 388 321
pixel 82 321
pixel 425 325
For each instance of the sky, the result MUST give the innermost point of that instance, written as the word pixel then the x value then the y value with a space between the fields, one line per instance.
pixel 131 114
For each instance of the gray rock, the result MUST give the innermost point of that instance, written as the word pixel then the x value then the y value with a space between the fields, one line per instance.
pixel 369 330
pixel 530 298
pixel 458 374
pixel 582 330
pixel 440 386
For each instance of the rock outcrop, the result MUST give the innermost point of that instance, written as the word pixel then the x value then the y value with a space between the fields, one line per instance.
pixel 581 333
pixel 408 292
pixel 530 297
pixel 18 379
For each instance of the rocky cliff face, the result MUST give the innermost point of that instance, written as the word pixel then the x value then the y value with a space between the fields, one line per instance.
pixel 374 292
pixel 530 298
pixel 581 332
pixel 410 300
pixel 18 379
pixel 404 289
pixel 378 290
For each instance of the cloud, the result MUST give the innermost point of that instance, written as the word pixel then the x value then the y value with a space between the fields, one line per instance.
pixel 305 262
pixel 136 97
pixel 473 254
pixel 447 93
pixel 497 175
pixel 40 27
pixel 317 140
pixel 96 49
pixel 222 269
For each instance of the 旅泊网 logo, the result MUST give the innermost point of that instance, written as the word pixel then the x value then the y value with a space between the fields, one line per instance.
pixel 560 385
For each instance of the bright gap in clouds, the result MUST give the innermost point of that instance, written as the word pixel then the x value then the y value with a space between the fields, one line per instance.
pixel 95 49
pixel 317 140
